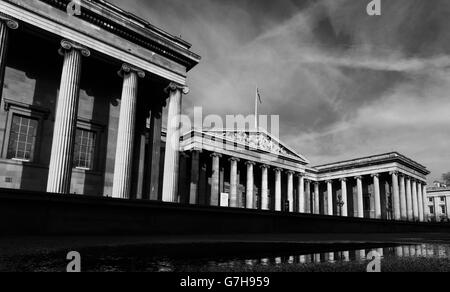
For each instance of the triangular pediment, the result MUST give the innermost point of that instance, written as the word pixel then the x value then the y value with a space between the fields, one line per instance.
pixel 259 140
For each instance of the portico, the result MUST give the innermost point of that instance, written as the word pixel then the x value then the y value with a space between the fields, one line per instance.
pixel 83 114
pixel 375 187
pixel 274 177
pixel 257 170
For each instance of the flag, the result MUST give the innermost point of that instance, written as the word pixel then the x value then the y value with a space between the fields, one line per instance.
pixel 257 98
pixel 258 95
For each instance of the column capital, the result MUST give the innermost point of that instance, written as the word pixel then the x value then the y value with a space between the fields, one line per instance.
pixel 300 175
pixel 231 159
pixel 358 177
pixel 329 181
pixel 343 179
pixel 196 150
pixel 290 172
pixel 10 22
pixel 67 46
pixel 216 155
pixel 375 175
pixel 173 86
pixel 250 163
pixel 264 166
pixel 127 69
pixel 278 169
pixel 394 173
pixel 316 183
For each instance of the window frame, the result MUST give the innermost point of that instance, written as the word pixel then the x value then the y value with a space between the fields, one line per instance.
pixel 14 108
pixel 27 122
pixel 98 130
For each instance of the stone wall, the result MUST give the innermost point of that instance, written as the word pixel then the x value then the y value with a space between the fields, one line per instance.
pixel 31 213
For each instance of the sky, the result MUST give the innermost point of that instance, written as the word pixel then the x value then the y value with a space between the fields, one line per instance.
pixel 345 84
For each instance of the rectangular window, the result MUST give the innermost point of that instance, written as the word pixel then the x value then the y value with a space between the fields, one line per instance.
pixel 432 210
pixel 22 138
pixel 431 200
pixel 442 199
pixel 444 211
pixel 84 149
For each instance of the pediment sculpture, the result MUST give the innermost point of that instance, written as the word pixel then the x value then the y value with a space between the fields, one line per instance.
pixel 258 141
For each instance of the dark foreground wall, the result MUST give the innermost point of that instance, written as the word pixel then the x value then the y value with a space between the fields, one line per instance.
pixel 27 213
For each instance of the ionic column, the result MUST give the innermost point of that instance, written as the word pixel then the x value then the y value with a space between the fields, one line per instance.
pixel 125 134
pixel 415 200
pixel 396 195
pixel 344 197
pixel 330 198
pixel 376 187
pixel 420 201
pixel 233 182
pixel 308 198
pixel 264 187
pixel 403 204
pixel 437 209
pixel 409 200
pixel 278 205
pixel 301 193
pixel 60 170
pixel 316 199
pixel 426 214
pixel 250 185
pixel 6 23
pixel 195 176
pixel 154 157
pixel 290 190
pixel 172 154
pixel 215 180
pixel 360 197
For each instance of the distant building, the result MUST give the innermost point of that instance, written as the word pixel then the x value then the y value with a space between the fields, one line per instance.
pixel 439 184
pixel 438 203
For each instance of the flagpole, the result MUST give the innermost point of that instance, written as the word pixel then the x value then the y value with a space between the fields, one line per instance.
pixel 256 108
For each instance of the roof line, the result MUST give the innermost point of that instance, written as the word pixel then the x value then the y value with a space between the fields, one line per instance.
pixel 390 154
pixel 143 22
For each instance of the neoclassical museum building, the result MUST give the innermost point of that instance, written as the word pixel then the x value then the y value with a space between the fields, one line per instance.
pixel 83 101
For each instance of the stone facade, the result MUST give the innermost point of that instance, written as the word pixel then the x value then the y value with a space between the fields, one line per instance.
pixel 438 204
pixel 61 66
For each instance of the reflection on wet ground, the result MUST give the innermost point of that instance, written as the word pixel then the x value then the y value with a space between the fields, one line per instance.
pixel 430 251
pixel 199 259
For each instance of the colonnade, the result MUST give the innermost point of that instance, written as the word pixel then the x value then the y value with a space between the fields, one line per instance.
pixel 301 193
pixel 66 114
